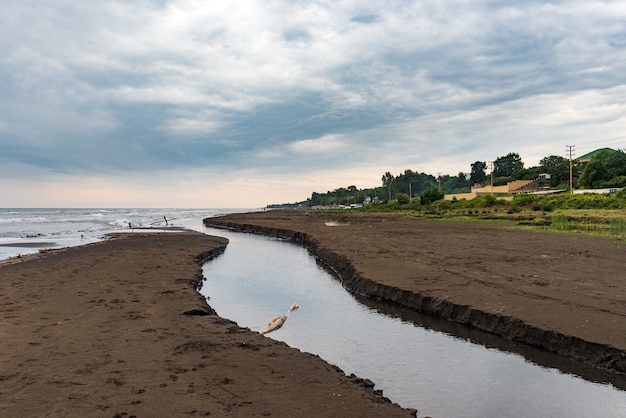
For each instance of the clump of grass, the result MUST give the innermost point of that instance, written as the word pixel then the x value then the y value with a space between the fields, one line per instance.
pixel 618 227
pixel 560 223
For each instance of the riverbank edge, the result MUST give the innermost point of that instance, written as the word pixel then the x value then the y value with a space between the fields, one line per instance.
pixel 198 306
pixel 203 308
pixel 601 356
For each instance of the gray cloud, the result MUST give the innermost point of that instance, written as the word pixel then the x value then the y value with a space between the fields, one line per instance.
pixel 140 86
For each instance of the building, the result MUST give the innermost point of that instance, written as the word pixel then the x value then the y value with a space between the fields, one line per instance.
pixel 587 157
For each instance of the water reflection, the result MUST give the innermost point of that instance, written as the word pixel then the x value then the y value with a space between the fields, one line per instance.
pixel 440 368
pixel 531 354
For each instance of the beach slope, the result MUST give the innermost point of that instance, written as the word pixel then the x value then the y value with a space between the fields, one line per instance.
pixel 117 329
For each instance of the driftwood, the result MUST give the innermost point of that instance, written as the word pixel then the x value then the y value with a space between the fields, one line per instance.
pixel 279 321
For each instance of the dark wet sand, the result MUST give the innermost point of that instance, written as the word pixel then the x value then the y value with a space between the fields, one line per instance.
pixel 117 329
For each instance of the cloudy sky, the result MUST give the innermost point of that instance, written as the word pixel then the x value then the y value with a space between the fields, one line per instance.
pixel 185 103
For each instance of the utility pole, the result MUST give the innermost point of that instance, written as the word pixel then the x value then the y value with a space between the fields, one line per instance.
pixel 491 168
pixel 411 180
pixel 439 181
pixel 569 149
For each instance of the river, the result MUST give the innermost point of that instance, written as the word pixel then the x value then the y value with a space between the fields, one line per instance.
pixel 439 368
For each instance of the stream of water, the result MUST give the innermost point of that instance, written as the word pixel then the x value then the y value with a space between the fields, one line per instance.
pixel 441 369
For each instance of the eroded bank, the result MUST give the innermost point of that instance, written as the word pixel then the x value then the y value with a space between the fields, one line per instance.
pixel 550 291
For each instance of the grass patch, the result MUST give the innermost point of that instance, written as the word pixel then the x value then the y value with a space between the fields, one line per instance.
pixel 593 214
pixel 560 223
pixel 618 227
pixel 591 225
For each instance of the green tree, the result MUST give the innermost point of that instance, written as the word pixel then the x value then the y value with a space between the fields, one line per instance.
pixel 555 165
pixel 558 167
pixel 595 172
pixel 616 163
pixel 606 169
pixel 403 198
pixel 414 183
pixel 454 184
pixel 352 194
pixel 388 179
pixel 526 173
pixel 461 181
pixel 506 165
pixel 406 181
pixel 478 172
pixel 316 199
pixel 431 195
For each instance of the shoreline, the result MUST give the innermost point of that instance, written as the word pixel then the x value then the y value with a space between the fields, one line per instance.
pixel 329 246
pixel 117 328
pixel 33 248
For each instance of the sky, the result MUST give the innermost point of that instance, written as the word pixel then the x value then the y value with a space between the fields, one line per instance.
pixel 240 104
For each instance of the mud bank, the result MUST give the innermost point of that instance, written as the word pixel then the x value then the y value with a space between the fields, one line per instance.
pixel 341 260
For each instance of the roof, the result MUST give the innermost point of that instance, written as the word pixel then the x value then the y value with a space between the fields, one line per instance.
pixel 592 154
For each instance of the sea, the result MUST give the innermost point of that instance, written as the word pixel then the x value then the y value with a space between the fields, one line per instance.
pixel 26 231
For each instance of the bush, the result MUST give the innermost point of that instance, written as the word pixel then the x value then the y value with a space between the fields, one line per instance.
pixel 524 199
pixel 403 199
pixel 431 195
pixel 485 200
pixel 618 181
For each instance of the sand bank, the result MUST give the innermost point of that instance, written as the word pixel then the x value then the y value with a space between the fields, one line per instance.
pixel 117 329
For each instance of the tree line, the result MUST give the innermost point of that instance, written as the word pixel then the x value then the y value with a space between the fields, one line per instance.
pixel 606 169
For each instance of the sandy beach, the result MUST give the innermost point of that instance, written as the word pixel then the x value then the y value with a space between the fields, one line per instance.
pixel 563 293
pixel 117 329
